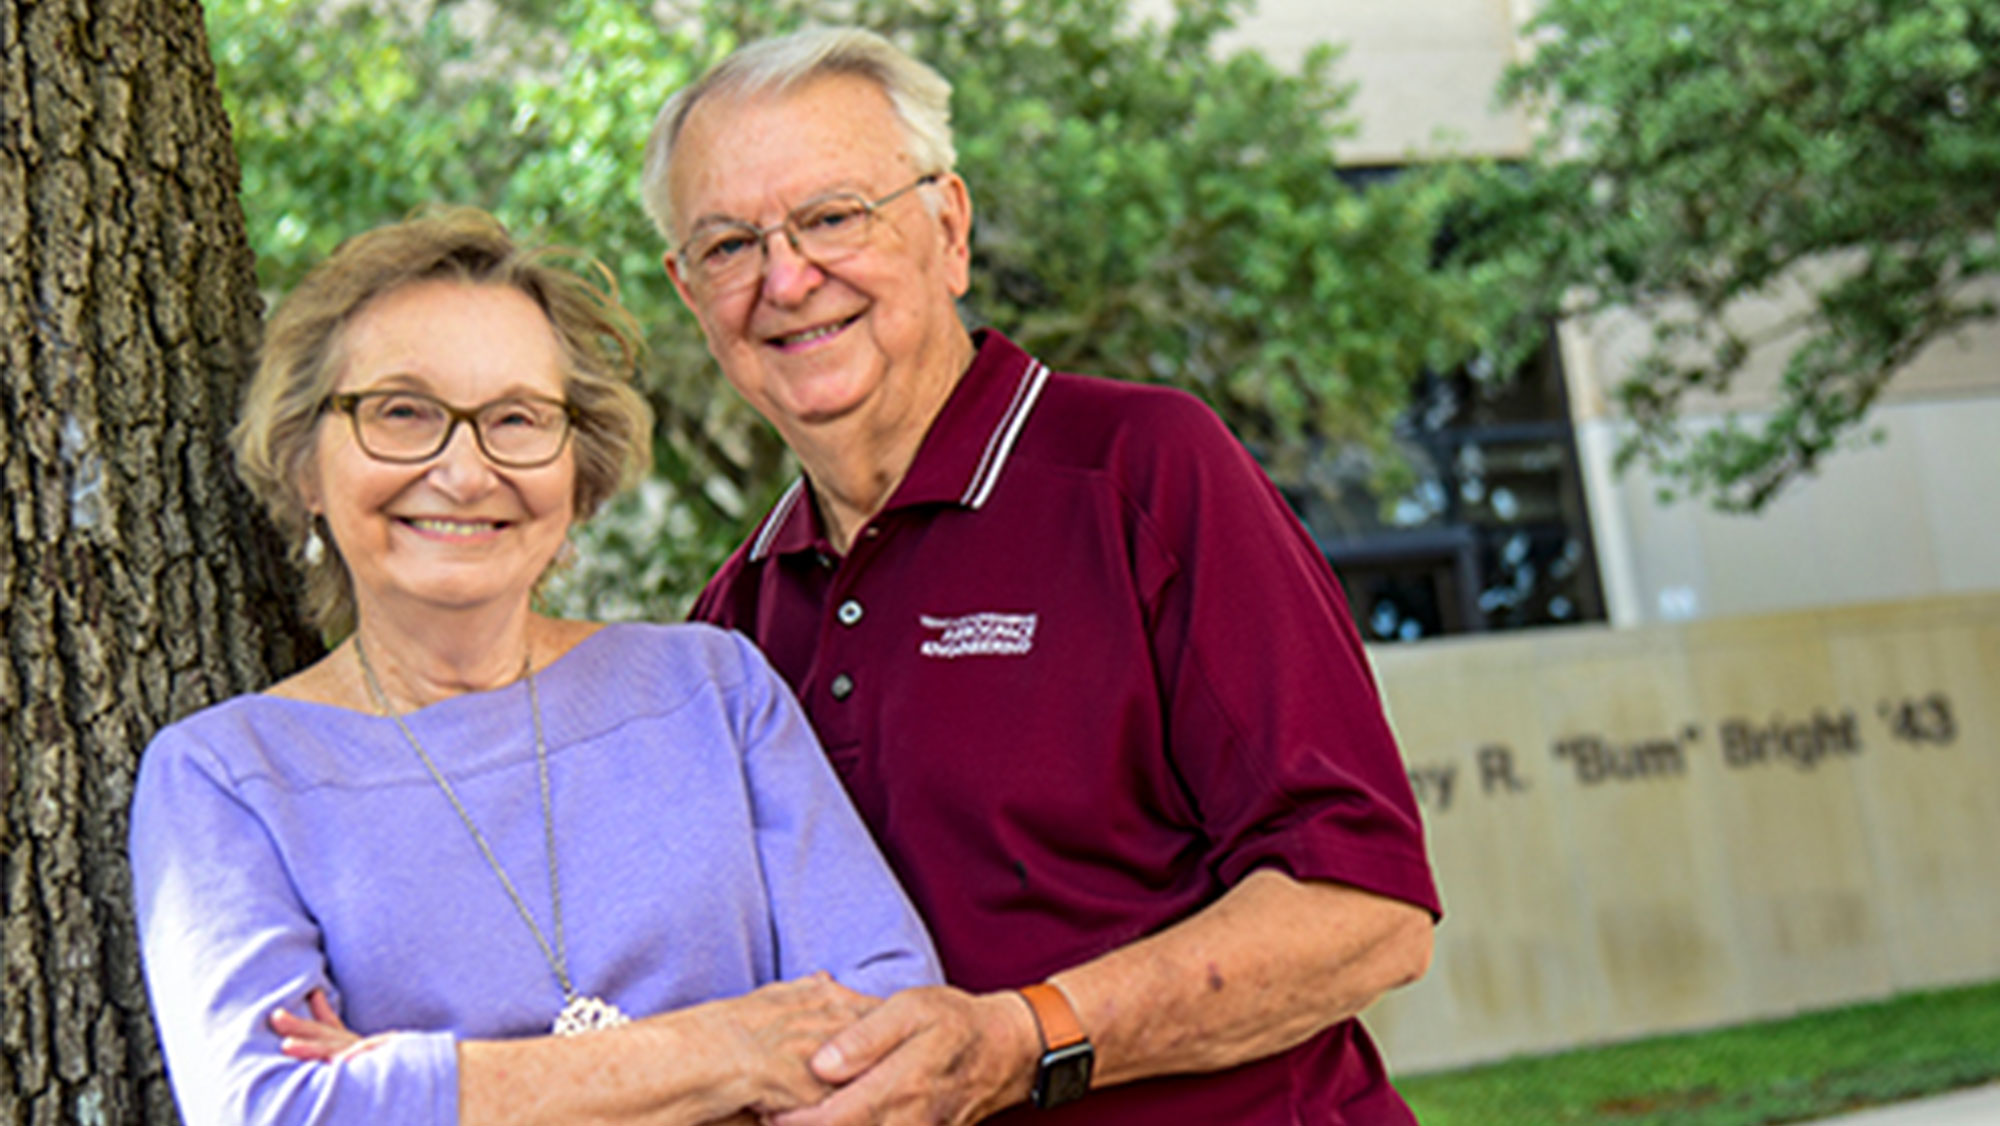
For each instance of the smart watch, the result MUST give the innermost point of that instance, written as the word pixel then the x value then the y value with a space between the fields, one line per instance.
pixel 1063 1075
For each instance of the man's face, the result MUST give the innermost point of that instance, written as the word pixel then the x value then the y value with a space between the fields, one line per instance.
pixel 872 340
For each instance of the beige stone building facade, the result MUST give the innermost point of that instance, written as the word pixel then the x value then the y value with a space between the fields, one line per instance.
pixel 1913 513
pixel 1762 774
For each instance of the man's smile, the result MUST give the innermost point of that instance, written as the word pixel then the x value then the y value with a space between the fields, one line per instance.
pixel 805 337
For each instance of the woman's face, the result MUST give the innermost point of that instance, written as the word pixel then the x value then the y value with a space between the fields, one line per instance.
pixel 456 531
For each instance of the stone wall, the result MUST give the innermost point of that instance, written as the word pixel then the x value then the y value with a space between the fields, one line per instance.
pixel 1673 827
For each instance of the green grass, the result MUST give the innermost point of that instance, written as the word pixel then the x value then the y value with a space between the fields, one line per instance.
pixel 1751 1075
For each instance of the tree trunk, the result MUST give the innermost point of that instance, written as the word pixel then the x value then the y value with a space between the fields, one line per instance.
pixel 137 583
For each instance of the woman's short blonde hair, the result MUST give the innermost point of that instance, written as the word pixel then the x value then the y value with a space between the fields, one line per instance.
pixel 301 361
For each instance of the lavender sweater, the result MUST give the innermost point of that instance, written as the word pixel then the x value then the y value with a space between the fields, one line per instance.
pixel 705 849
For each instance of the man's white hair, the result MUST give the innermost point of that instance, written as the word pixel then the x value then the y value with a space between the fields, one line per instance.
pixel 921 98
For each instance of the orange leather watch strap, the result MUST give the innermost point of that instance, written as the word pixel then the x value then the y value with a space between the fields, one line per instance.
pixel 1053 1013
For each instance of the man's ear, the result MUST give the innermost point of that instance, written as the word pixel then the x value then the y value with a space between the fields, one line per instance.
pixel 954 217
pixel 673 266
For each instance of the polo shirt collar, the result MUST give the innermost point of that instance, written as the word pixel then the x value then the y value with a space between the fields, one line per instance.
pixel 961 459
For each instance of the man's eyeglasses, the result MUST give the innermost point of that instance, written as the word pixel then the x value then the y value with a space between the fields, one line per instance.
pixel 725 257
pixel 519 432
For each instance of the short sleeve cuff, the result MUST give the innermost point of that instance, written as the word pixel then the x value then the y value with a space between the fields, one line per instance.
pixel 1309 852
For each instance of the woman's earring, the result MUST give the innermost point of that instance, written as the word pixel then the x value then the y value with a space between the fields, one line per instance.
pixel 314 549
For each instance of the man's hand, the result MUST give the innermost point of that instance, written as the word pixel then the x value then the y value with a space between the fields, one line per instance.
pixel 929 1055
pixel 769 1034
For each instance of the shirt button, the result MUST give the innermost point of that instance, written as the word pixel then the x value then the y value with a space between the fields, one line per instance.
pixel 825 560
pixel 850 612
pixel 842 686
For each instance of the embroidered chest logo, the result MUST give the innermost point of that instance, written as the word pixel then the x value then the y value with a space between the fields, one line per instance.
pixel 978 635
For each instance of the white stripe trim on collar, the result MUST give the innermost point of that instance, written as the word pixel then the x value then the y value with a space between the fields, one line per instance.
pixel 984 477
pixel 987 475
pixel 780 512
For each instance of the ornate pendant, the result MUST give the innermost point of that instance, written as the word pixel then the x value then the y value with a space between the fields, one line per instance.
pixel 587 1014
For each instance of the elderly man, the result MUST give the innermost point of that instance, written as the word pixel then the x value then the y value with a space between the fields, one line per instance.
pixel 1088 681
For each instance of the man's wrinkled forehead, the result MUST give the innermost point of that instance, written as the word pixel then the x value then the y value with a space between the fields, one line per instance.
pixel 829 122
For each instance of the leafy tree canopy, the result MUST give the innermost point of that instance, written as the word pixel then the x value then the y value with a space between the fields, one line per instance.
pixel 1703 155
pixel 1145 207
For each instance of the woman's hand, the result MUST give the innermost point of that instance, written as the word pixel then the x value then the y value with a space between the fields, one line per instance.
pixel 324 1036
pixel 772 1031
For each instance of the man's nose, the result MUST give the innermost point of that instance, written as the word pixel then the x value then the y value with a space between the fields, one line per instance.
pixel 789 276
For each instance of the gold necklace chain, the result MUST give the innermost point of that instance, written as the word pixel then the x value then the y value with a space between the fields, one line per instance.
pixel 579 1013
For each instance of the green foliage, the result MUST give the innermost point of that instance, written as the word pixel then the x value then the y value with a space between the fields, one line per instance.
pixel 1144 207
pixel 1151 211
pixel 1791 1070
pixel 352 115
pixel 1705 155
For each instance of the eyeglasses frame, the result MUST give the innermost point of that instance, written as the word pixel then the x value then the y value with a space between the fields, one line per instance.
pixel 349 402
pixel 763 234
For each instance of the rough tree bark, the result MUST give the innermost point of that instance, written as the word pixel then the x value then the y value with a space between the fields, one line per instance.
pixel 136 581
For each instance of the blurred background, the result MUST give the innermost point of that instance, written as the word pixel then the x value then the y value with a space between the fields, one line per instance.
pixel 1635 363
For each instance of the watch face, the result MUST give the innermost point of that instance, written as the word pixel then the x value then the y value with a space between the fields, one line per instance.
pixel 1064 1076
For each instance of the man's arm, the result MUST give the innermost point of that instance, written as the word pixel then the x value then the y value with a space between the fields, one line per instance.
pixel 1270 964
pixel 1265 968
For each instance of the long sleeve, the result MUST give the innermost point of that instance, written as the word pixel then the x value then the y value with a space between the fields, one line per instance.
pixel 834 903
pixel 225 940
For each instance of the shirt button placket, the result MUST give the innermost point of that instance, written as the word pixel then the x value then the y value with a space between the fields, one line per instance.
pixel 847 614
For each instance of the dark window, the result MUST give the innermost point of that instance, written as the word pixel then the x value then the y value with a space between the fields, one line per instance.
pixel 1486 528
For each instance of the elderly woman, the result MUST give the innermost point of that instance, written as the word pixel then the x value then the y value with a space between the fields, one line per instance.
pixel 473 830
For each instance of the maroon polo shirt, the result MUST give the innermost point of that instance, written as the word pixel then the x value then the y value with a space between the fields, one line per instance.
pixel 1082 673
